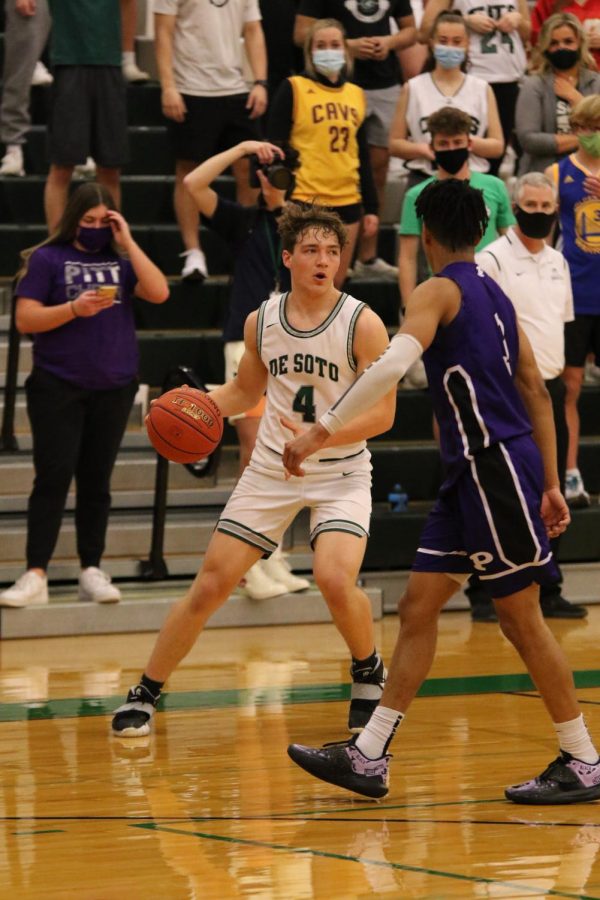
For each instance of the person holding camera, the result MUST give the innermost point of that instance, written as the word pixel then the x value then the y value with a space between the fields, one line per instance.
pixel 258 273
pixel 321 113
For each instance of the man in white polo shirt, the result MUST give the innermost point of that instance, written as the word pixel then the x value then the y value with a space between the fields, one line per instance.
pixel 536 278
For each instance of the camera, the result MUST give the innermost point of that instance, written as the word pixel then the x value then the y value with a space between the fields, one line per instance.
pixel 280 173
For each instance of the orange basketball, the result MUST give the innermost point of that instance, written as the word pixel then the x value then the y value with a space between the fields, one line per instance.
pixel 184 425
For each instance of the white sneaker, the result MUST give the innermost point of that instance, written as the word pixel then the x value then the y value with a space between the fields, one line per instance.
pixel 258 586
pixel 575 493
pixel 592 373
pixel 41 75
pixel 133 74
pixel 95 585
pixel 277 568
pixel 12 161
pixel 30 589
pixel 86 169
pixel 194 267
pixel 378 270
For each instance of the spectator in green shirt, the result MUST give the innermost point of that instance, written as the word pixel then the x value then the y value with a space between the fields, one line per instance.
pixel 450 131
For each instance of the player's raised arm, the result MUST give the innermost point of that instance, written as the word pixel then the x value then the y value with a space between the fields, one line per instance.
pixel 435 301
pixel 250 383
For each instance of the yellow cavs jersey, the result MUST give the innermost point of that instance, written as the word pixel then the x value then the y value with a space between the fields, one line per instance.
pixel 308 371
pixel 325 122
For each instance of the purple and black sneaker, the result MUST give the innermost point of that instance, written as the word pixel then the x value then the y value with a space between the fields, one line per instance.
pixel 566 780
pixel 343 764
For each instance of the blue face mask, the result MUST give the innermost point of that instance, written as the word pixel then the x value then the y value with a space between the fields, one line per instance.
pixel 94 239
pixel 328 62
pixel 449 57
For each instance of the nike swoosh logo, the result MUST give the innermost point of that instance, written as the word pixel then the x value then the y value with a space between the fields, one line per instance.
pixel 346 473
pixel 271 325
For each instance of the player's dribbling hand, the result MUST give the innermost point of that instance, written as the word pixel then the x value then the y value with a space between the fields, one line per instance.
pixel 555 512
pixel 303 444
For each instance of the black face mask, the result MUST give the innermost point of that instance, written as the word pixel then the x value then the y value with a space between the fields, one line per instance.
pixel 534 225
pixel 562 59
pixel 451 161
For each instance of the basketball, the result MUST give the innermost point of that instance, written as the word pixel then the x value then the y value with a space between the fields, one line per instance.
pixel 184 425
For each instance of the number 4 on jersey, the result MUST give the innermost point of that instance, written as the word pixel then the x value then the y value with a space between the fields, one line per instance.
pixel 304 403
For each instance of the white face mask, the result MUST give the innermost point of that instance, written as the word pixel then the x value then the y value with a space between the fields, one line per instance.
pixel 328 62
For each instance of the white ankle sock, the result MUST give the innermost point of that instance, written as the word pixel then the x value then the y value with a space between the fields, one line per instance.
pixel 128 57
pixel 574 738
pixel 373 741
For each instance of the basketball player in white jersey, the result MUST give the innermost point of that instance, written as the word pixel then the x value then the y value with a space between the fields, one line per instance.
pixel 305 347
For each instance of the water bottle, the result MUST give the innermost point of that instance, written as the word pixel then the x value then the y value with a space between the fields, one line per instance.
pixel 398 499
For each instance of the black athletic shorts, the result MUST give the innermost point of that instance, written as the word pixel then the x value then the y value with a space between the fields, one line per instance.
pixel 212 124
pixel 88 116
pixel 582 336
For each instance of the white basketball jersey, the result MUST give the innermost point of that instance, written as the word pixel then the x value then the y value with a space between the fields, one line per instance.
pixel 308 371
pixel 425 98
pixel 494 56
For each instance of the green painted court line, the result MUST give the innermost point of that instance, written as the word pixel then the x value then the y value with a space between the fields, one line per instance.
pixel 421 870
pixel 46 831
pixel 81 707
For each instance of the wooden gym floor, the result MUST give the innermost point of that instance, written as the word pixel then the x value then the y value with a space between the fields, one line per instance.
pixel 209 807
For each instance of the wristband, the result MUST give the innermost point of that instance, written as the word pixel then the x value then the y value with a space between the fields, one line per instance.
pixel 262 82
pixel 73 310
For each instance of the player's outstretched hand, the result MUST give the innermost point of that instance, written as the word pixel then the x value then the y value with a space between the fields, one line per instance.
pixel 555 512
pixel 302 445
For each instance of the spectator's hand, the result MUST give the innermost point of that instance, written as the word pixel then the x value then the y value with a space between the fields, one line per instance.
pixel 370 224
pixel 173 105
pixel 426 151
pixel 274 198
pixel 480 23
pixel 257 101
pixel 381 46
pixel 593 37
pixel 592 186
pixel 90 303
pixel 266 152
pixel 25 7
pixel 120 229
pixel 362 48
pixel 566 91
pixel 555 512
pixel 510 21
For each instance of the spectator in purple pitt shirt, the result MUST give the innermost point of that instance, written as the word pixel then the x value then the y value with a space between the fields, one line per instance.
pixel 75 296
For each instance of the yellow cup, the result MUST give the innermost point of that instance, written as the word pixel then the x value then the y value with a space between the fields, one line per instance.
pixel 107 291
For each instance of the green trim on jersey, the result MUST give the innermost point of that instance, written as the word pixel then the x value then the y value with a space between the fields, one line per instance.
pixel 350 341
pixel 259 325
pixel 315 331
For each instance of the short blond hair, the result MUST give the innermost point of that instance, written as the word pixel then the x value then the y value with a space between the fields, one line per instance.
pixel 587 113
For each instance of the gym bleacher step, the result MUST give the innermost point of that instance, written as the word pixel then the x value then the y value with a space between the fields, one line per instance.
pixel 144 608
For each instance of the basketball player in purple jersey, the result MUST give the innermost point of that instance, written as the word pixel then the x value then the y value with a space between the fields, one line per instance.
pixel 496 510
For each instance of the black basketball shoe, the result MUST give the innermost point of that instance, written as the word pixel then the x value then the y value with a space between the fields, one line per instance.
pixel 343 764
pixel 566 780
pixel 133 718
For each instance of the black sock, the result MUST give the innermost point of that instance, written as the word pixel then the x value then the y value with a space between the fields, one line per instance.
pixel 153 687
pixel 366 665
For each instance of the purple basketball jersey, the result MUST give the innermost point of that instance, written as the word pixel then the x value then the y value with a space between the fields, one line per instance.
pixel 471 367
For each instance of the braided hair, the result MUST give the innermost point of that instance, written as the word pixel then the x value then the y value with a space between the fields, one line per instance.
pixel 453 212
